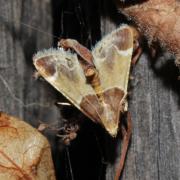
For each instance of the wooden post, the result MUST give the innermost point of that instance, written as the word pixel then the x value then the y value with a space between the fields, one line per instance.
pixel 154 102
pixel 25 28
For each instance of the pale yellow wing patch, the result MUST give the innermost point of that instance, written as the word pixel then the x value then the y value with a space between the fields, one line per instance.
pixel 63 71
pixel 112 57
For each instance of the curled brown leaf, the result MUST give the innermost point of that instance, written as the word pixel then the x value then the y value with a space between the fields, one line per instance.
pixel 158 20
pixel 24 152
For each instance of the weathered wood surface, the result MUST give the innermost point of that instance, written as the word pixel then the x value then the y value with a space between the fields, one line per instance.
pixel 20 94
pixel 154 102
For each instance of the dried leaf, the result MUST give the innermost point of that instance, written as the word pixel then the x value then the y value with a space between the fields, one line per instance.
pixel 24 152
pixel 158 20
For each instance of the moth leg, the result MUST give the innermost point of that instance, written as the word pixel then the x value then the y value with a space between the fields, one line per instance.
pixel 69 133
pixel 137 50
pixel 82 51
pixel 42 127
pixel 126 139
pixel 136 55
pixel 36 75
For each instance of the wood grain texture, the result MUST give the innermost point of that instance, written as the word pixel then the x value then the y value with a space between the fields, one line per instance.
pixel 155 111
pixel 21 95
pixel 154 102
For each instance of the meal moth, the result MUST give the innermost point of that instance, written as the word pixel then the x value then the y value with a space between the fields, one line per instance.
pixel 94 81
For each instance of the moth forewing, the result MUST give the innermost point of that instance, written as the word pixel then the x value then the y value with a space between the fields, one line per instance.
pixel 62 70
pixel 112 58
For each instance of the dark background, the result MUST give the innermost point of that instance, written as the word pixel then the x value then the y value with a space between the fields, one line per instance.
pixel 26 27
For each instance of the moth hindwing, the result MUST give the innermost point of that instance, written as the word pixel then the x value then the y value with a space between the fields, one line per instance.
pixel 111 59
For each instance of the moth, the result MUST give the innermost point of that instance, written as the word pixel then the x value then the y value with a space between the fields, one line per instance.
pixel 94 81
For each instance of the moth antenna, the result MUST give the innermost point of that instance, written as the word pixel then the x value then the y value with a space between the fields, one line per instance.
pixel 29 26
pixel 18 99
pixel 39 30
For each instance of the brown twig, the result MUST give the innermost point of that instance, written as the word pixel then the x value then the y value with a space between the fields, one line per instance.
pixel 126 138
